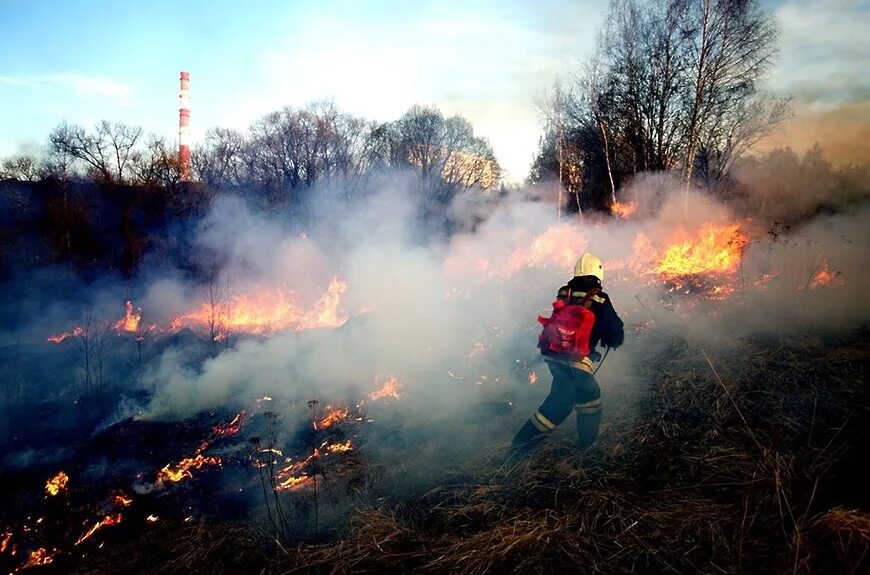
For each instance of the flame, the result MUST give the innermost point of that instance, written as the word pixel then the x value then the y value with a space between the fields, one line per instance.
pixel 390 389
pixel 478 348
pixel 38 558
pixel 182 469
pixel 332 417
pixel 122 500
pixel 326 310
pixel 295 468
pixel 291 476
pixel 340 447
pixel 533 377
pixel 271 450
pixel 267 312
pixel 716 249
pixel 558 246
pixel 230 428
pixel 107 521
pixel 623 210
pixel 293 483
pixel 130 321
pixel 4 542
pixel 152 519
pixel 824 276
pixel 74 332
pixel 56 484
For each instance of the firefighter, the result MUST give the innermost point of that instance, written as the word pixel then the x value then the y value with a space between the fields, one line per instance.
pixel 571 358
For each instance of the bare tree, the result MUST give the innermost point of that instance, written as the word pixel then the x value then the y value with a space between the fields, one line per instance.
pixel 158 165
pixel 673 85
pixel 107 153
pixel 23 167
pixel 218 299
pixel 730 45
pixel 443 151
pixel 555 109
pixel 222 162
pixel 92 338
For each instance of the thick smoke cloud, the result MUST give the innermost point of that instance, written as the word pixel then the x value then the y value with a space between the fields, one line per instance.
pixel 453 317
pixel 441 316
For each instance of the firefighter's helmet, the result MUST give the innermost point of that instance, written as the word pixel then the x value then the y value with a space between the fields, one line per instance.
pixel 589 265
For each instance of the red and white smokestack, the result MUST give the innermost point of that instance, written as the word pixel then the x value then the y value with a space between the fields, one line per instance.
pixel 184 125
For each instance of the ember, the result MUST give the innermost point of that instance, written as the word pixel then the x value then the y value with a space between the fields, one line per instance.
pixel 56 484
pixel 182 469
pixel 390 389
pixel 230 428
pixel 122 500
pixel 107 521
pixel 292 483
pixel 332 417
pixel 38 558
pixel 478 348
pixel 623 210
pixel 823 276
pixel 340 447
pixel 74 332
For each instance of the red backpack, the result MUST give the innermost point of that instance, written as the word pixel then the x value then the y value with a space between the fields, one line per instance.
pixel 567 331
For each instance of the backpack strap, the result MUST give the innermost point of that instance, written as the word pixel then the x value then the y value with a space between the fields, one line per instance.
pixel 567 294
pixel 589 296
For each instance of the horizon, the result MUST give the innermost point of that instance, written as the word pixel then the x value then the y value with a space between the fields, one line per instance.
pixel 487 61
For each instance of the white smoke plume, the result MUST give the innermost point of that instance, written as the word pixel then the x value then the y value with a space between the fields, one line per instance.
pixel 456 319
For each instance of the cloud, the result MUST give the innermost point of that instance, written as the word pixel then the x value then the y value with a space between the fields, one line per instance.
pixel 843 131
pixel 87 85
pixel 78 84
pixel 824 50
pixel 488 63
pixel 19 82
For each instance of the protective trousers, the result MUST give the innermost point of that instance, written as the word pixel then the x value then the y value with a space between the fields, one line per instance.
pixel 572 388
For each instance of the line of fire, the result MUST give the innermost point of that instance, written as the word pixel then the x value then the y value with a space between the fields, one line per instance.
pixel 325 343
pixel 151 472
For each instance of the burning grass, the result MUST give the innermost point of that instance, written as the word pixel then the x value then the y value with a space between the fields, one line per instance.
pixel 747 474
pixel 740 460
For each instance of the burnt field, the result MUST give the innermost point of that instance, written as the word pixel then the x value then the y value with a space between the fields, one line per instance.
pixel 314 407
pixel 742 458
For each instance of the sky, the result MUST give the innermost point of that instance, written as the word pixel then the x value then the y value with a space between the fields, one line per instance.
pixel 491 61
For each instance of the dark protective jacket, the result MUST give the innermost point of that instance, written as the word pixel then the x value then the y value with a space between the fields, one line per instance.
pixel 608 329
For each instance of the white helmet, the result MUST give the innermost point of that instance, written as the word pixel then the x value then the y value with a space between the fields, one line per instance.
pixel 589 265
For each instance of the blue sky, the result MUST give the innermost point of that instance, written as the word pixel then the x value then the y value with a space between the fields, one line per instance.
pixel 86 60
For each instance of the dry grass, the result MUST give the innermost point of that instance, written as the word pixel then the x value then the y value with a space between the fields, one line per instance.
pixel 731 473
pixel 742 461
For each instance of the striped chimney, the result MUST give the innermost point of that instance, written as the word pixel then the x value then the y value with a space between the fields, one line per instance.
pixel 184 125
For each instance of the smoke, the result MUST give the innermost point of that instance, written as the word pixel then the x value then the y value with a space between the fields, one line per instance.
pixel 453 317
pixel 450 318
pixel 411 314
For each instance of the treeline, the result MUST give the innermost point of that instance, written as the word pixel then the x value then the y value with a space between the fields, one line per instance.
pixel 672 87
pixel 105 197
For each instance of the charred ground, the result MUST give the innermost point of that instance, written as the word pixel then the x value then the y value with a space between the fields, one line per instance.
pixel 742 459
